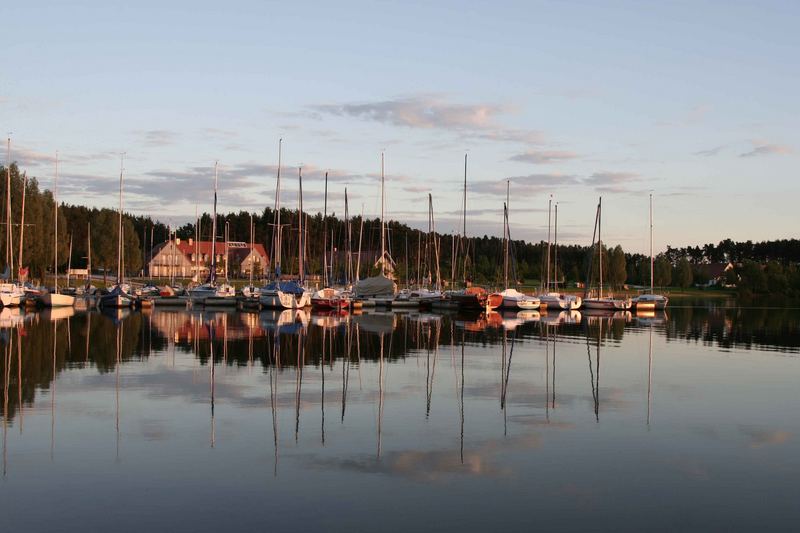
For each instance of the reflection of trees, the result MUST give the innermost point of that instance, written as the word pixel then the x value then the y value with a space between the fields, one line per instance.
pixel 765 329
pixel 89 339
pixel 34 339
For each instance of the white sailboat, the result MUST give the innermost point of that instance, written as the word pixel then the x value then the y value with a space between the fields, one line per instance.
pixel 284 294
pixel 651 301
pixel 510 298
pixel 11 294
pixel 329 297
pixel 210 293
pixel 118 296
pixel 552 299
pixel 431 292
pixel 251 293
pixel 54 298
pixel 600 302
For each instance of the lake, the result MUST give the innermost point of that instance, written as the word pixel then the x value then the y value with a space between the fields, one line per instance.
pixel 206 420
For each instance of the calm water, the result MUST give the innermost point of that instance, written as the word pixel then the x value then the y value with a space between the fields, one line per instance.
pixel 400 422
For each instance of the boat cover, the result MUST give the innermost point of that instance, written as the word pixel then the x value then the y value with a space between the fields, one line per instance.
pixel 375 286
pixel 289 287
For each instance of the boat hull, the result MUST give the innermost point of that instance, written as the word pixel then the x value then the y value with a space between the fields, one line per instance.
pixel 648 302
pixel 10 299
pixel 330 303
pixel 116 301
pixel 606 304
pixel 57 300
pixel 220 301
pixel 475 301
pixel 561 302
pixel 284 300
pixel 170 301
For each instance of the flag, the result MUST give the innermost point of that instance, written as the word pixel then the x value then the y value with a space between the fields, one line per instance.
pixel 23 273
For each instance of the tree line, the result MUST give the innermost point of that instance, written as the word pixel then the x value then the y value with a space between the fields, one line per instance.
pixel 479 259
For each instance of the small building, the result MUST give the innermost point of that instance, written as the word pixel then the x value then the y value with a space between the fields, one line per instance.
pixel 716 273
pixel 187 258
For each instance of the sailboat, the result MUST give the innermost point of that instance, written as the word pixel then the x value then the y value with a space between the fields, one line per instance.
pixel 380 288
pixel 600 302
pixel 430 293
pixel 285 294
pixel 651 301
pixel 251 293
pixel 552 299
pixel 118 296
pixel 54 298
pixel 210 293
pixel 510 298
pixel 328 297
pixel 470 297
pixel 11 294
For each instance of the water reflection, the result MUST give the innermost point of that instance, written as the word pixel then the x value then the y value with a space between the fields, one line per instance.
pixel 340 395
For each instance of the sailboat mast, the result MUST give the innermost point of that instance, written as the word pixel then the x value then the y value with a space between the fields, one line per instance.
pixel 360 234
pixel 651 243
pixel 464 222
pixel 300 239
pixel 419 260
pixel 212 275
pixel 325 236
pixel 251 249
pixel 383 225
pixel 196 244
pixel 22 220
pixel 55 228
pixel 348 251
pixel 69 259
pixel 549 214
pixel 276 228
pixel 600 240
pixel 555 247
pixel 227 238
pixel 89 256
pixel 435 241
pixel 119 221
pixel 506 235
pixel 464 217
pixel 8 213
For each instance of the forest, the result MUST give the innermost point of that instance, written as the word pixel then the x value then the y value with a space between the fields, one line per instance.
pixel 413 250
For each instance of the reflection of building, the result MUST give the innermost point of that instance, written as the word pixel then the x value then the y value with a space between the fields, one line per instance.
pixel 184 258
pixel 181 327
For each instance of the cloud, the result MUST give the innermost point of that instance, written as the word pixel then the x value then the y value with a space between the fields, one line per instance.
pixel 434 112
pixel 525 185
pixel 219 133
pixel 761 148
pixel 612 182
pixel 419 112
pixel 761 437
pixel 437 466
pixel 28 157
pixel 155 138
pixel 711 152
pixel 691 116
pixel 542 157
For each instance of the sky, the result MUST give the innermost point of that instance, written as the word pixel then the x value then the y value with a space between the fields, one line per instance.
pixel 695 102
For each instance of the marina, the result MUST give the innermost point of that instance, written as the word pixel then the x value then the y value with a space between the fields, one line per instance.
pixel 399 266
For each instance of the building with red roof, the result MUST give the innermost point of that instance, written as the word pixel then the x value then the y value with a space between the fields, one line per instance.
pixel 184 258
